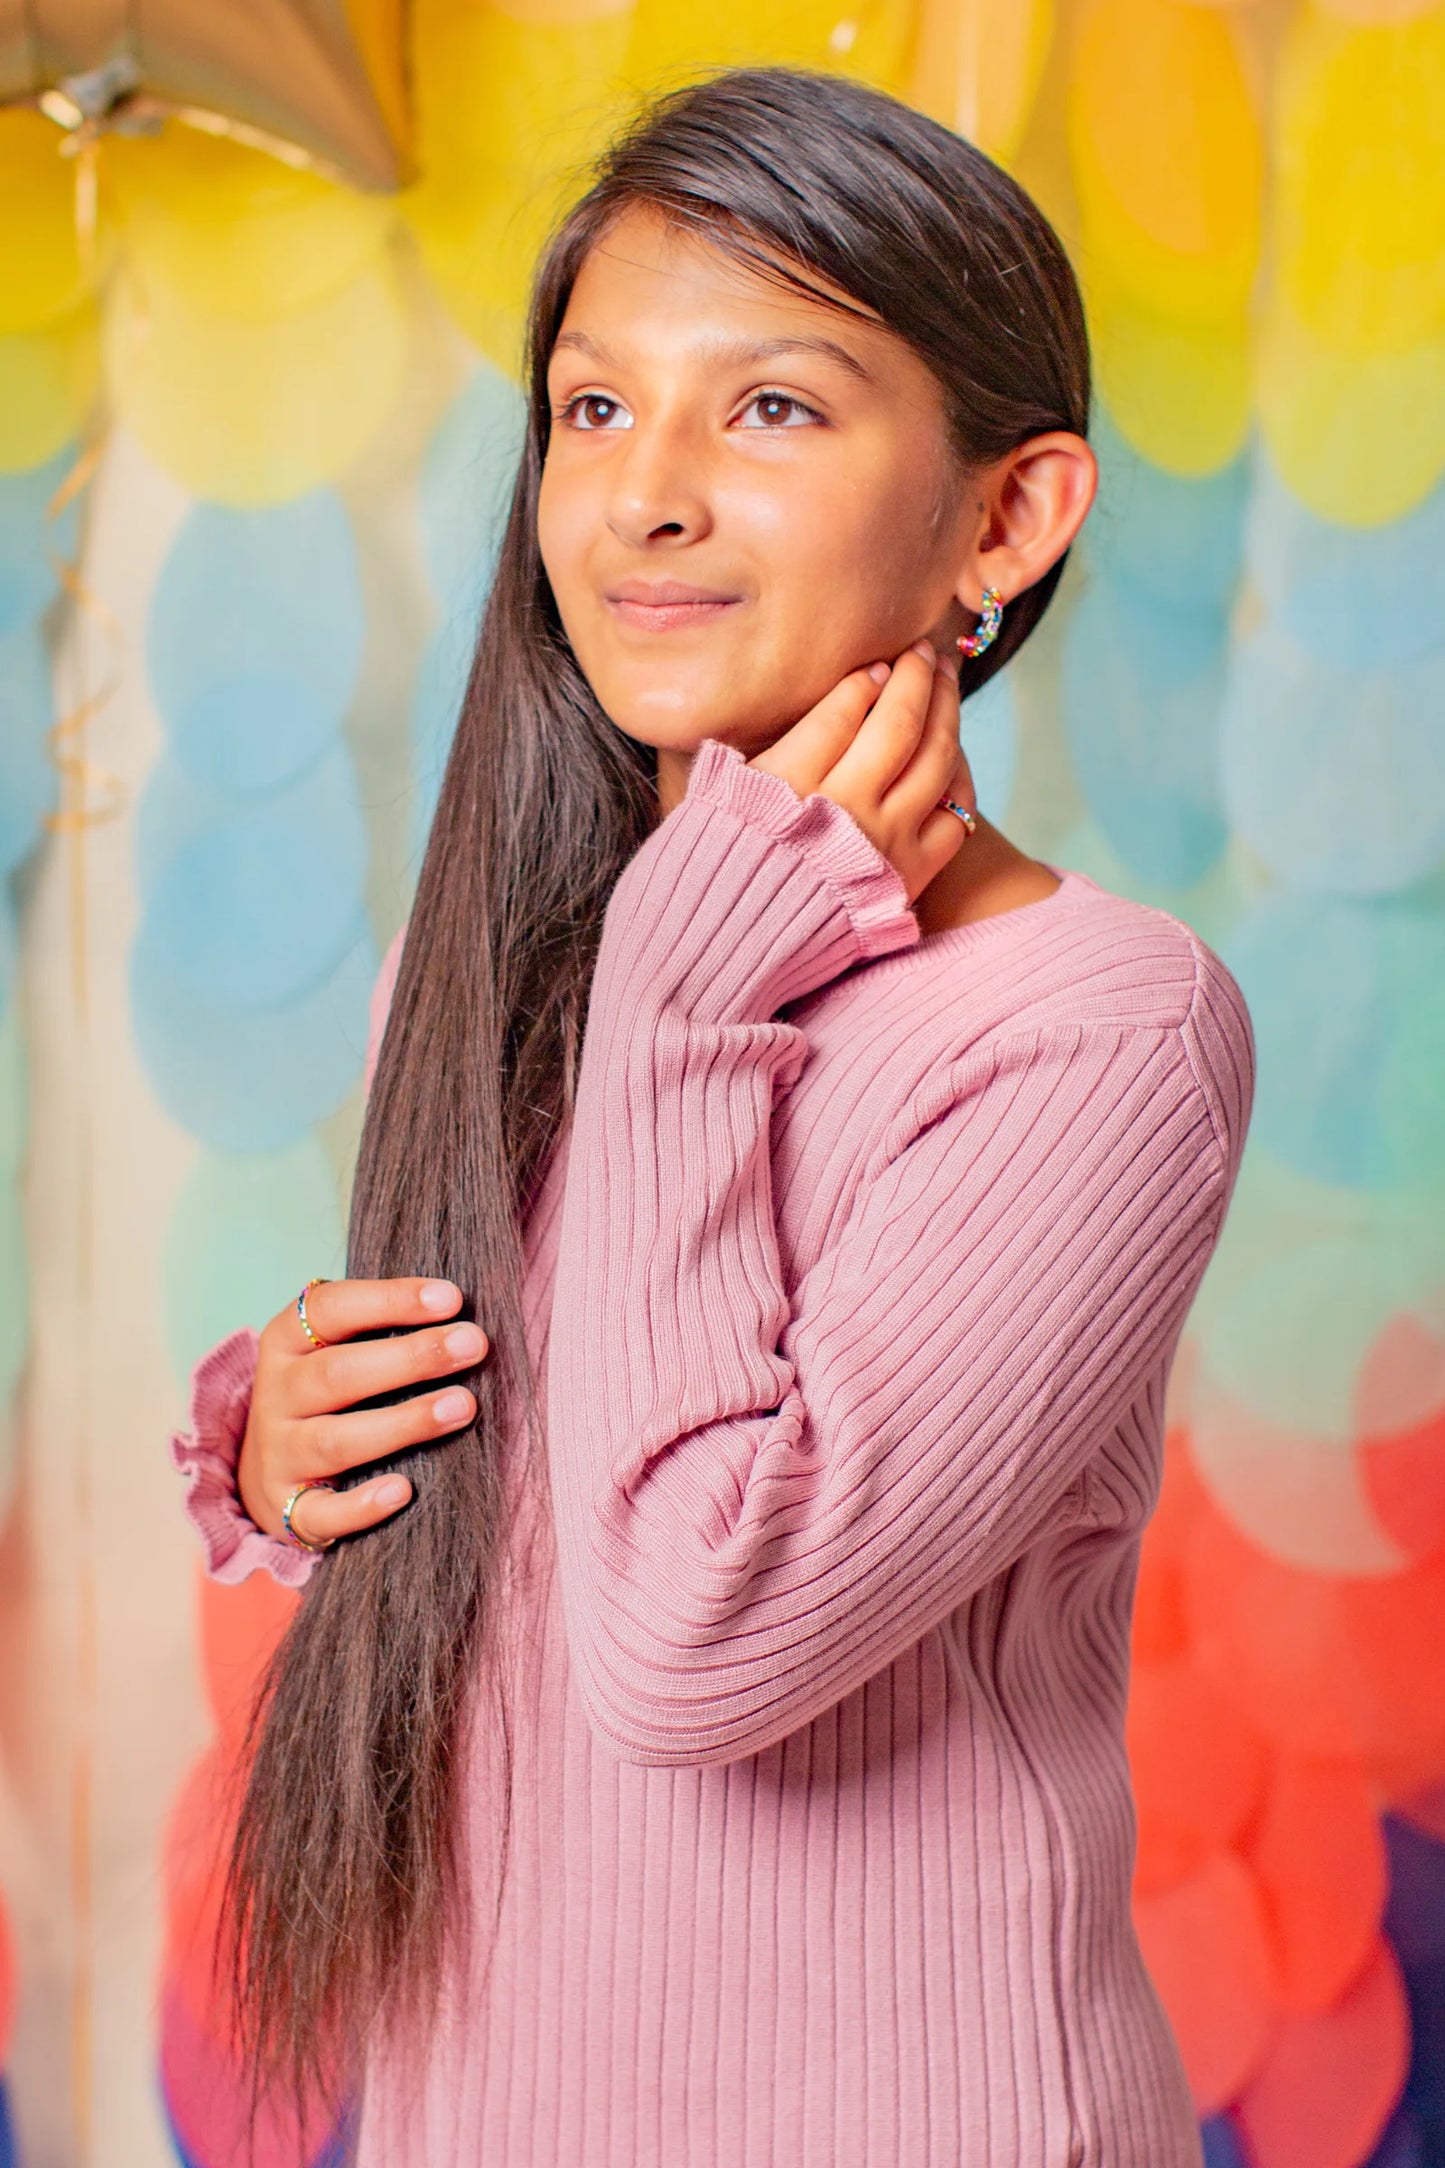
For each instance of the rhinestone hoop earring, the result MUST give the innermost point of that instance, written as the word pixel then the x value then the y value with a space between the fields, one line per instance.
pixel 974 643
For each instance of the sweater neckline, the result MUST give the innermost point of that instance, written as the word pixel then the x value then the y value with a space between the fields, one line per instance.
pixel 945 939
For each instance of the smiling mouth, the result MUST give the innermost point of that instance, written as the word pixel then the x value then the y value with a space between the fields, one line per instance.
pixel 668 616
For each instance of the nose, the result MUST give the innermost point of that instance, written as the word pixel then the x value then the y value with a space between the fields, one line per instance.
pixel 659 494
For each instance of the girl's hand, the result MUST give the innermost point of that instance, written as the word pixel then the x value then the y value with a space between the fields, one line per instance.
pixel 303 1426
pixel 884 745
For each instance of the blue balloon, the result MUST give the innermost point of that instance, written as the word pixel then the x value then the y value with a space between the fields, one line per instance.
pixel 1176 541
pixel 1335 777
pixel 1335 989
pixel 253 1081
pixel 1425 2083
pixel 1415 1914
pixel 1222 2148
pixel 465 488
pixel 255 639
pixel 1361 597
pixel 441 680
pixel 251 908
pixel 29 778
pixel 1401 2144
pixel 28 538
pixel 1142 686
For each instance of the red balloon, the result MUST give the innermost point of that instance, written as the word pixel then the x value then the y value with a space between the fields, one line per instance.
pixel 240 1627
pixel 1319 1855
pixel 1330 2083
pixel 1208 1952
pixel 1198 1770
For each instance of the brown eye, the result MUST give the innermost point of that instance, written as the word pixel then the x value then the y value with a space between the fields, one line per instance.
pixel 594 410
pixel 779 410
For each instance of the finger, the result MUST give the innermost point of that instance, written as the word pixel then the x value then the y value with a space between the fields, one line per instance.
pixel 333 1443
pixel 338 1376
pixel 936 762
pixel 337 1308
pixel 320 1516
pixel 816 742
pixel 877 755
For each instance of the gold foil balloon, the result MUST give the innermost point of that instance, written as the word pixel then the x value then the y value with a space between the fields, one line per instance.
pixel 320 78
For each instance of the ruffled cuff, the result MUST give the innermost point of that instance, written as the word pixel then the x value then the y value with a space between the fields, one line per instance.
pixel 868 886
pixel 233 1546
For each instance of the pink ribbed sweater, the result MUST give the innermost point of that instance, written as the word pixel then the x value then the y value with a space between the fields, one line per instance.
pixel 857 1276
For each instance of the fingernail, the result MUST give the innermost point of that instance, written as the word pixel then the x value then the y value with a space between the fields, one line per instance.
pixel 439 1295
pixel 451 1407
pixel 879 672
pixel 464 1340
pixel 389 1494
pixel 924 647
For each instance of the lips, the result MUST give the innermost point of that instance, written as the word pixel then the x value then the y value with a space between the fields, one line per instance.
pixel 666 605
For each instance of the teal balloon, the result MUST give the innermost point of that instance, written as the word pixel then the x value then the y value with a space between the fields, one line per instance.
pixel 252 1080
pixel 14 1095
pixel 251 906
pixel 1143 682
pixel 1175 541
pixel 988 732
pixel 246 1234
pixel 8 947
pixel 255 639
pixel 29 778
pixel 465 488
pixel 1362 598
pixel 28 538
pixel 1335 989
pixel 1335 777
pixel 14 1289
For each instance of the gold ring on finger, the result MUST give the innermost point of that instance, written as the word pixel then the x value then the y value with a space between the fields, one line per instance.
pixel 295 1534
pixel 314 1337
pixel 963 813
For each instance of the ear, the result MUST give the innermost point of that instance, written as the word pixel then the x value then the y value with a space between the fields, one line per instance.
pixel 1027 509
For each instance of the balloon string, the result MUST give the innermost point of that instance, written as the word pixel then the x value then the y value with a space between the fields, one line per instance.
pixel 89 793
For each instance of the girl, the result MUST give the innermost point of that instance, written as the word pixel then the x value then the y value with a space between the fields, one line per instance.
pixel 704 1747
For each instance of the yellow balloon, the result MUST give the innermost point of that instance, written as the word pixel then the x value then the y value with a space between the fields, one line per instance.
pixel 1361 180
pixel 1179 392
pixel 1358 438
pixel 248 413
pixel 508 114
pixel 977 68
pixel 675 40
pixel 48 382
pixel 42 276
pixel 1167 156
pixel 238 232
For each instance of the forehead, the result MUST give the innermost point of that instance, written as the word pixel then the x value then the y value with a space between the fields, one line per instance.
pixel 649 286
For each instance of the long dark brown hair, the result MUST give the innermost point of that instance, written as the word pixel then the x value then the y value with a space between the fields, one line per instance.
pixel 347 1893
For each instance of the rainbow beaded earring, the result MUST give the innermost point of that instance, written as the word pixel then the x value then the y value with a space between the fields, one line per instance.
pixel 974 643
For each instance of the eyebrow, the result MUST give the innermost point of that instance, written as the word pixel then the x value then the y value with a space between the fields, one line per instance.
pixel 737 353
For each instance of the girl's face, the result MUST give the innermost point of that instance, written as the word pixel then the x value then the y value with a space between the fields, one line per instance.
pixel 746 493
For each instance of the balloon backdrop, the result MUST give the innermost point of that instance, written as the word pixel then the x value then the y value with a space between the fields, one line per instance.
pixel 265 278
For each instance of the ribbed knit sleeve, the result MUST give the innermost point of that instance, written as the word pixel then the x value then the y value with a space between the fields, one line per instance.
pixel 206 1453
pixel 764 1495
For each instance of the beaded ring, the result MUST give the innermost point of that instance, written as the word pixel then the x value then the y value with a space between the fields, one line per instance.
pixel 314 1337
pixel 295 1535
